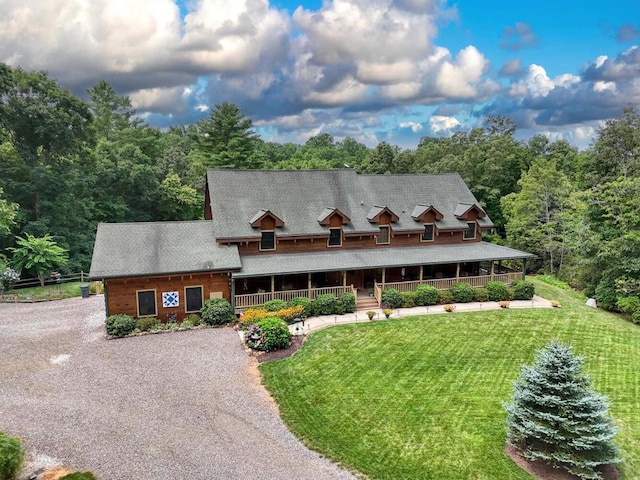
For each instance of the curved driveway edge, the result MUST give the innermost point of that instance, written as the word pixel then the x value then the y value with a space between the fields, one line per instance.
pixel 184 405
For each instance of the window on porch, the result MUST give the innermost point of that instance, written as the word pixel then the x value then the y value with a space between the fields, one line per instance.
pixel 335 237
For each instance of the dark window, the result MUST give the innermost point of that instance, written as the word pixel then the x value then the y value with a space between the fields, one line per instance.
pixel 427 234
pixel 268 241
pixel 470 232
pixel 335 237
pixel 384 235
pixel 147 303
pixel 194 298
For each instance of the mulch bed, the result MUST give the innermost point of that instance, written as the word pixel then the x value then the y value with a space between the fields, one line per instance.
pixel 544 471
pixel 296 343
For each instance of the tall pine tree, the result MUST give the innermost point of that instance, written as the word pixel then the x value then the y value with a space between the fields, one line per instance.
pixel 556 417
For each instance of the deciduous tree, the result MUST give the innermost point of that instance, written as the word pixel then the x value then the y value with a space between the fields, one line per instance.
pixel 41 254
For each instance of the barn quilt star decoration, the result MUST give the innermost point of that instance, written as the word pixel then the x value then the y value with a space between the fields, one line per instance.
pixel 170 299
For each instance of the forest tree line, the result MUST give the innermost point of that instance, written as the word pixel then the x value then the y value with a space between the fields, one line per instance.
pixel 68 163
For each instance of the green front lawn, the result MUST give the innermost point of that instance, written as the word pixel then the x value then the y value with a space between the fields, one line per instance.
pixel 68 290
pixel 421 397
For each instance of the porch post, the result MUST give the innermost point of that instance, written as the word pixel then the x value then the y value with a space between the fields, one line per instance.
pixel 233 294
pixel 344 278
pixel 384 275
pixel 421 273
pixel 457 271
pixel 273 284
pixel 524 268
pixel 309 285
pixel 492 268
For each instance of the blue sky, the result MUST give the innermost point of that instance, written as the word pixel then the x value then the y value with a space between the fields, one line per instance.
pixel 392 70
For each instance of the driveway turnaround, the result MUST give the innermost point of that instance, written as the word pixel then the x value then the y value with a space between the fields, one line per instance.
pixel 182 405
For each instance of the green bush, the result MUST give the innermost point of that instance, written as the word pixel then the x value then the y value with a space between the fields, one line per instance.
pixel 347 302
pixel 144 324
pixel 481 295
pixel 628 305
pixel 120 325
pixel 426 295
pixel 11 457
pixel 635 317
pixel 8 278
pixel 408 299
pixel 79 476
pixel 497 291
pixel 217 311
pixel 391 297
pixel 274 305
pixel 324 304
pixel 461 292
pixel 305 302
pixel 444 296
pixel 268 334
pixel 193 319
pixel 523 290
pixel 606 294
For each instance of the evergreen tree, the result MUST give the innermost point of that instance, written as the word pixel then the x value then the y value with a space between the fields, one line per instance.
pixel 555 416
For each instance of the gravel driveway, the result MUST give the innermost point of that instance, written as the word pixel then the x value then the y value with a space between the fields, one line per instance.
pixel 183 405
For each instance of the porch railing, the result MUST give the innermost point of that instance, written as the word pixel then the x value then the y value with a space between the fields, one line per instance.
pixel 258 299
pixel 446 283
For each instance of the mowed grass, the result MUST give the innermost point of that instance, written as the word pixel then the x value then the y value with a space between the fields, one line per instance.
pixel 421 397
pixel 69 290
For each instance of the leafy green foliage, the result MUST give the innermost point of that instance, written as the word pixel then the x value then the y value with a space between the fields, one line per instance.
pixel 347 302
pixel 426 295
pixel 305 302
pixel 8 278
pixel 268 334
pixel 217 311
pixel 628 305
pixel 606 294
pixel 40 254
pixel 497 291
pixel 523 290
pixel 556 417
pixel 193 319
pixel 8 213
pixel 144 324
pixel 79 476
pixel 275 305
pixel 324 304
pixel 461 292
pixel 444 297
pixel 480 294
pixel 408 299
pixel 391 297
pixel 120 325
pixel 11 457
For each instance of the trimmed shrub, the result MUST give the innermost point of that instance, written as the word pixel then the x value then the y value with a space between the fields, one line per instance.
pixel 481 295
pixel 461 292
pixel 144 324
pixel 497 291
pixel 305 302
pixel 606 294
pixel 275 305
pixel 193 319
pixel 444 296
pixel 120 325
pixel 348 302
pixel 11 457
pixel 289 314
pixel 217 311
pixel 408 299
pixel 8 278
pixel 425 295
pixel 268 335
pixel 628 305
pixel 79 476
pixel 391 297
pixel 324 304
pixel 523 290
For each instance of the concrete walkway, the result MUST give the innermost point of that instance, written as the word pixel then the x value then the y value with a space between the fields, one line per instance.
pixel 316 323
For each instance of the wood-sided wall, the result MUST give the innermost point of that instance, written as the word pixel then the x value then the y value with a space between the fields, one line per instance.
pixel 121 292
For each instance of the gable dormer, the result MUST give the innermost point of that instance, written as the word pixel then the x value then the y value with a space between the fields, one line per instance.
pixel 382 215
pixel 468 211
pixel 426 213
pixel 266 220
pixel 333 217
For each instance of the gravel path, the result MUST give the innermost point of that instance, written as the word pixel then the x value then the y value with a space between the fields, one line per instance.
pixel 183 405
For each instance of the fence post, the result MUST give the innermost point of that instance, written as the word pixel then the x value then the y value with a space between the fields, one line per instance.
pixel 82 277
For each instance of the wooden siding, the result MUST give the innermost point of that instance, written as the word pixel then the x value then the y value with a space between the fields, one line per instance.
pixel 319 244
pixel 121 292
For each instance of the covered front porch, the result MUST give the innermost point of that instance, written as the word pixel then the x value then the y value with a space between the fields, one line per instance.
pixel 365 273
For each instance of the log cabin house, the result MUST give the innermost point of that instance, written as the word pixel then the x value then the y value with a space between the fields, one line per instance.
pixel 271 234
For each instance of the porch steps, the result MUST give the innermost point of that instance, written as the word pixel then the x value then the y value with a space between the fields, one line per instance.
pixel 366 303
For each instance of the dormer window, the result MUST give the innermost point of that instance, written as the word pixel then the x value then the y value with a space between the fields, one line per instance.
pixel 428 232
pixel 470 232
pixel 335 237
pixel 384 235
pixel 268 240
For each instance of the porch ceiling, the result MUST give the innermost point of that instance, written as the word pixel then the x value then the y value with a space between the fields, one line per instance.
pixel 337 260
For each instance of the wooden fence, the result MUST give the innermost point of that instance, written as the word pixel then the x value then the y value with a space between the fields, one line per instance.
pixel 258 299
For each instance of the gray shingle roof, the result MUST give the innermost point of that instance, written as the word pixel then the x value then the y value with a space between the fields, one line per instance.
pixel 152 248
pixel 298 197
pixel 337 260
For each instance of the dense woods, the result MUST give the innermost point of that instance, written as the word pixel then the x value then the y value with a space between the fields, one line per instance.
pixel 68 163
